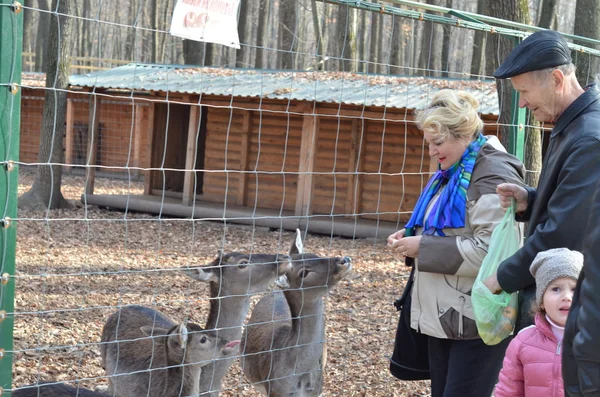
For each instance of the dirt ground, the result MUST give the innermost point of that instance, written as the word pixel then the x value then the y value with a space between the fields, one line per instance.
pixel 75 266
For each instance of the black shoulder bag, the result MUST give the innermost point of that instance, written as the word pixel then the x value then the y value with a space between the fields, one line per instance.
pixel 410 360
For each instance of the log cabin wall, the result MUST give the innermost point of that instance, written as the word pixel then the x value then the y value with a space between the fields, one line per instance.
pixel 372 167
pixel 256 144
pixel 118 119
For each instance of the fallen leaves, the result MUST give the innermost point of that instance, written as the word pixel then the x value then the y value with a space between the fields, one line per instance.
pixel 74 267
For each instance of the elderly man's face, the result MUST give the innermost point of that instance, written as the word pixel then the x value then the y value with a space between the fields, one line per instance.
pixel 537 95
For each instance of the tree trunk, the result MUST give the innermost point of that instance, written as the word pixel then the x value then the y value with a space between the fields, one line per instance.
pixel 446 44
pixel 587 24
pixel 193 52
pixel 547 17
pixel 381 67
pixel 263 16
pixel 162 47
pixel 478 62
pixel 362 43
pixel 287 30
pixel 397 48
pixel 301 24
pixel 430 59
pixel 28 34
pixel 41 44
pixel 211 52
pixel 130 41
pixel 155 15
pixel 497 50
pixel 375 42
pixel 242 57
pixel 347 37
pixel 45 191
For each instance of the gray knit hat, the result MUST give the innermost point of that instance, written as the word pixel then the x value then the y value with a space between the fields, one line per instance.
pixel 552 264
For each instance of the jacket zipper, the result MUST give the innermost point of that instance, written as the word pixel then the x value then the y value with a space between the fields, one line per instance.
pixel 460 316
pixel 557 375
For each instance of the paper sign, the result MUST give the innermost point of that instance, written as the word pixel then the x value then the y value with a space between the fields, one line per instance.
pixel 212 21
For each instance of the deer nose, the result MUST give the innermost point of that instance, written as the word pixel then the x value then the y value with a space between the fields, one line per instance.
pixel 285 263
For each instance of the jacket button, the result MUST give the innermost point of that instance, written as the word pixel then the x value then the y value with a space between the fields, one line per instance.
pixel 441 311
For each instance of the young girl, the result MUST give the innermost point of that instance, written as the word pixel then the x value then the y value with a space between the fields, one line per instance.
pixel 532 365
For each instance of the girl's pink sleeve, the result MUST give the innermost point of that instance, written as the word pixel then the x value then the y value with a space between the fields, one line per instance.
pixel 511 382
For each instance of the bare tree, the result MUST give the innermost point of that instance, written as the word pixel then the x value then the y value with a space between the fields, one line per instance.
pixel 497 49
pixel 477 65
pixel 287 31
pixel 547 14
pixel 446 44
pixel 28 33
pixel 42 35
pixel 319 39
pixel 362 41
pixel 376 19
pixel 347 26
pixel 45 191
pixel 587 24
pixel 243 54
pixel 261 32
pixel 430 60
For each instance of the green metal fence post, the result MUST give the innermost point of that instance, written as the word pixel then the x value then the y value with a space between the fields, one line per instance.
pixel 11 37
pixel 516 139
pixel 518 119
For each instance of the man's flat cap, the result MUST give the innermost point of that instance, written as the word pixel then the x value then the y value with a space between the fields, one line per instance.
pixel 541 50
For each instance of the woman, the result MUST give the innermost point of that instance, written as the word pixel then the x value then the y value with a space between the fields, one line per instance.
pixel 448 236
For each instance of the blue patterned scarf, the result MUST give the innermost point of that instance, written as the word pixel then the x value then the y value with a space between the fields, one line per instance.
pixel 449 210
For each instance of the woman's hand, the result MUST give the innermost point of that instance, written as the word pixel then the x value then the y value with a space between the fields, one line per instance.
pixel 395 236
pixel 406 246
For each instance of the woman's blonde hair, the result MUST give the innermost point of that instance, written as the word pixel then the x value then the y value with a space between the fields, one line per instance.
pixel 451 113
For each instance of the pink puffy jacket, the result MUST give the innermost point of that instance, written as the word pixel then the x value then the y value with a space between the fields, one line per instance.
pixel 532 365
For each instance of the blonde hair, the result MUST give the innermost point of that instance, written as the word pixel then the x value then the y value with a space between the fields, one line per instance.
pixel 451 113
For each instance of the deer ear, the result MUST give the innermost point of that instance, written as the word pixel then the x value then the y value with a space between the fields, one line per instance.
pixel 153 331
pixel 182 335
pixel 297 246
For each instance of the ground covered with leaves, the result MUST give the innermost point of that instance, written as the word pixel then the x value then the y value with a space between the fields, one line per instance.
pixel 74 267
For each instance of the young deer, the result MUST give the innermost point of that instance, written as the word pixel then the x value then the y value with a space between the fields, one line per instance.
pixel 283 344
pixel 147 355
pixel 50 389
pixel 233 279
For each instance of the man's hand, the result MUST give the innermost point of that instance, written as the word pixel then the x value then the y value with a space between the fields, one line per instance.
pixel 492 283
pixel 508 191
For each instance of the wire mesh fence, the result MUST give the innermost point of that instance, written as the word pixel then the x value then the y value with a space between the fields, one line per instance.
pixel 165 167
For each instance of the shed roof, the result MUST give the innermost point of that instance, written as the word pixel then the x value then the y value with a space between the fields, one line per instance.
pixel 318 86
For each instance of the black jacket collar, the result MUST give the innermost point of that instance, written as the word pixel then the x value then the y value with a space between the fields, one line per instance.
pixel 590 96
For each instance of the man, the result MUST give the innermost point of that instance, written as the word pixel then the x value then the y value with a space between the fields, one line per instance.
pixel 541 70
pixel 581 344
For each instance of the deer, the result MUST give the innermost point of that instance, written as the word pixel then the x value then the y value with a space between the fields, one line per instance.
pixel 51 389
pixel 146 354
pixel 283 344
pixel 233 278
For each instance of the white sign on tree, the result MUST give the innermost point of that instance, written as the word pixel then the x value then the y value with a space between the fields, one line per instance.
pixel 212 21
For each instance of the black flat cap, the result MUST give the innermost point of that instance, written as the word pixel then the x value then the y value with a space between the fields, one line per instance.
pixel 541 50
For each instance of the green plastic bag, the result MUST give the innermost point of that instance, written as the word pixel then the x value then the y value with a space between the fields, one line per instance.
pixel 495 315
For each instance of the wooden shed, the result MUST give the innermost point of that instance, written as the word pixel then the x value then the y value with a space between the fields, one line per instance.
pixel 337 153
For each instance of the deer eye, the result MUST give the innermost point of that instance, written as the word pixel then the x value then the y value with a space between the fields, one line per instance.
pixel 304 273
pixel 243 264
pixel 203 339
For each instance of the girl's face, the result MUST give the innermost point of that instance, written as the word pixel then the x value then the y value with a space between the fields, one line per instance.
pixel 556 301
pixel 447 151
